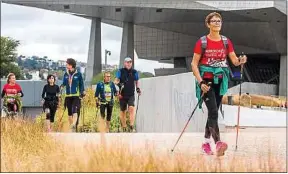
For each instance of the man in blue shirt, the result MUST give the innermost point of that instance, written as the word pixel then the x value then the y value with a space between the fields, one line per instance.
pixel 127 78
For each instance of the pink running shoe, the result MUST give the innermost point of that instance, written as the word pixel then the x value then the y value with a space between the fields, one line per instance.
pixel 221 147
pixel 206 148
pixel 49 130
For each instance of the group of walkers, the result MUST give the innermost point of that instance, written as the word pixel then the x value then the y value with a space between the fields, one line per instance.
pixel 126 80
pixel 105 93
pixel 209 66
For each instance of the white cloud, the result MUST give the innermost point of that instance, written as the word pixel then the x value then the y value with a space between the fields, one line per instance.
pixel 59 35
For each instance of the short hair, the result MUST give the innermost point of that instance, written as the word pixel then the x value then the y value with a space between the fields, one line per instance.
pixel 106 72
pixel 71 62
pixel 210 16
pixel 9 76
pixel 49 76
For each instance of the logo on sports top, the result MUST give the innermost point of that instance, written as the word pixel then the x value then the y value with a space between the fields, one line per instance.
pixel 216 58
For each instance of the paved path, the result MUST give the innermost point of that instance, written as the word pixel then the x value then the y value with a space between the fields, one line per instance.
pixel 251 143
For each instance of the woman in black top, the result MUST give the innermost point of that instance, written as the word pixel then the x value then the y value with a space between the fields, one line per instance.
pixel 50 96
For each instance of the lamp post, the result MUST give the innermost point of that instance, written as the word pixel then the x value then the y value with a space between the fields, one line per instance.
pixel 106 52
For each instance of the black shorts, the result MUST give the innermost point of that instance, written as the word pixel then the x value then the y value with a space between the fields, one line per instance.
pixel 52 106
pixel 127 100
pixel 73 104
pixel 109 108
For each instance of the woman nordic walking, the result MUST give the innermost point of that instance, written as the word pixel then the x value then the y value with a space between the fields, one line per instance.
pixel 50 100
pixel 209 64
pixel 12 94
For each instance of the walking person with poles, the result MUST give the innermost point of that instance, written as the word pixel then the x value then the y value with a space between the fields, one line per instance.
pixel 73 81
pixel 127 78
pixel 50 100
pixel 11 96
pixel 105 93
pixel 209 65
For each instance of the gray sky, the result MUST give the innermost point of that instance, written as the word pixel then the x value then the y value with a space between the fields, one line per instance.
pixel 59 35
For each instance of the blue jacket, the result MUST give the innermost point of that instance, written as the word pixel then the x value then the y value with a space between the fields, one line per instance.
pixel 77 86
pixel 101 90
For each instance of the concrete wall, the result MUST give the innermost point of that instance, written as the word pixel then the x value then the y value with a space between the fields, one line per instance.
pixel 254 117
pixel 255 88
pixel 32 112
pixel 283 76
pixel 166 104
pixel 169 71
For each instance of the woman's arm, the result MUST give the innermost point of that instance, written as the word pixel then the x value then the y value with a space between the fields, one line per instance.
pixel 195 69
pixel 237 61
pixel 97 91
pixel 43 92
pixel 22 94
pixel 20 91
pixel 234 59
pixel 3 93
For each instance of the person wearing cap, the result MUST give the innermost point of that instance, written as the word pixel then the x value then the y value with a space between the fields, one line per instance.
pixel 74 84
pixel 127 78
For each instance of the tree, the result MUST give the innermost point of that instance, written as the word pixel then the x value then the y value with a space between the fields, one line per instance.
pixel 9 57
pixel 8 68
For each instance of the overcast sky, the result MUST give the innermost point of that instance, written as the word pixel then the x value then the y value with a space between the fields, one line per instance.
pixel 59 35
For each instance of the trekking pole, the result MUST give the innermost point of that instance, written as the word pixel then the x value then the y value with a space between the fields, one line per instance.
pixel 238 119
pixel 189 119
pixel 221 110
pixel 118 119
pixel 79 114
pixel 61 118
pixel 138 97
pixel 82 113
pixel 137 104
pixel 83 116
pixel 60 100
pixel 96 118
